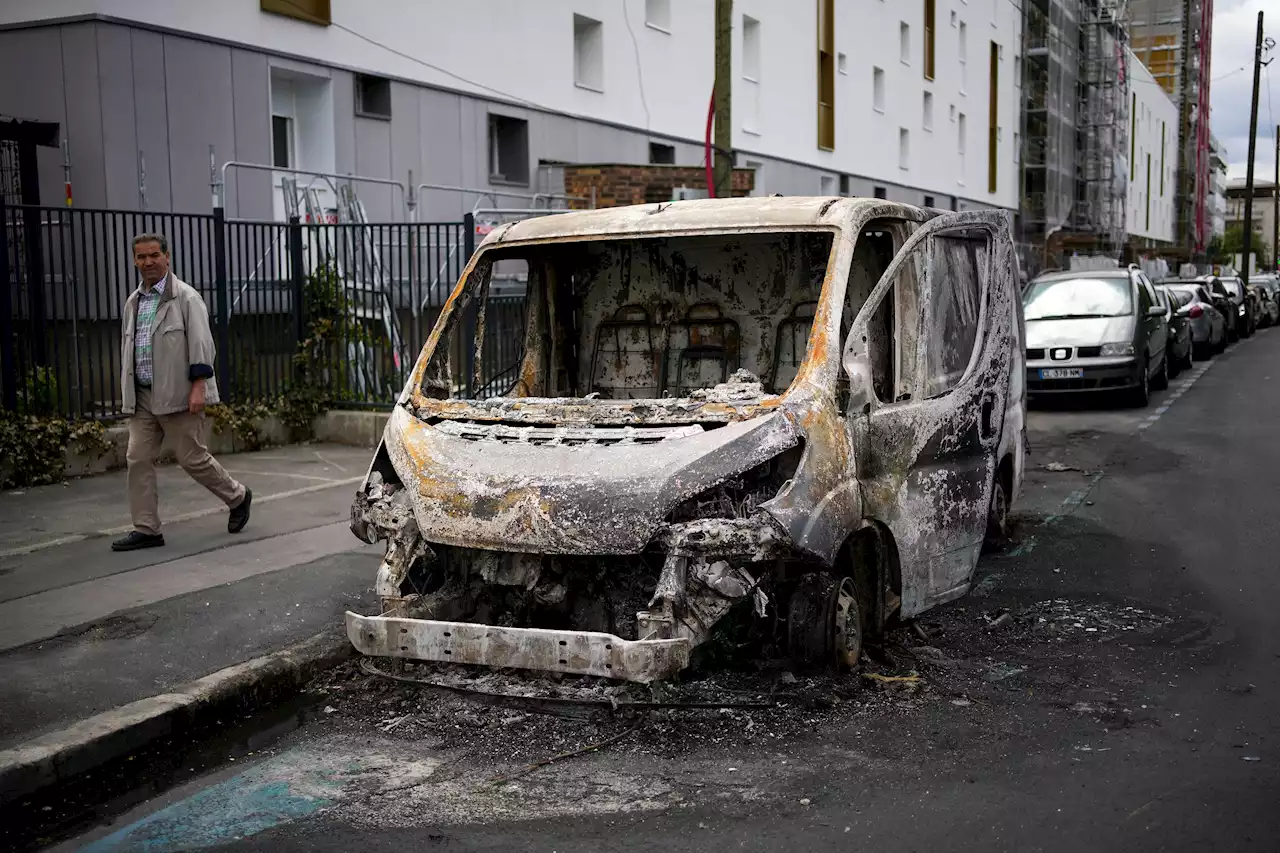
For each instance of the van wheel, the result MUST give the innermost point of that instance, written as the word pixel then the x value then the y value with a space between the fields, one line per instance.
pixel 824 628
pixel 997 535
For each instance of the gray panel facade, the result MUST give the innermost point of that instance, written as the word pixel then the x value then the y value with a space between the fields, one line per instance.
pixel 249 193
pixel 119 128
pixel 118 90
pixel 198 85
pixel 151 119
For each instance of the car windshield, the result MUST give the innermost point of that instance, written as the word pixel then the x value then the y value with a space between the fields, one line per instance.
pixel 1183 295
pixel 1073 298
pixel 1233 287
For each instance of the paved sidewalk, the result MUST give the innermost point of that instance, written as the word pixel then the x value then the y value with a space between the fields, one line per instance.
pixel 84 629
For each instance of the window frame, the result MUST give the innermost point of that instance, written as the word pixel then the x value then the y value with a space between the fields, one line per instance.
pixel 926 312
pixel 500 178
pixel 361 108
pixel 290 141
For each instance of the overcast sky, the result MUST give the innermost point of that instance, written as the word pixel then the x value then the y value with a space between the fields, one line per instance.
pixel 1235 25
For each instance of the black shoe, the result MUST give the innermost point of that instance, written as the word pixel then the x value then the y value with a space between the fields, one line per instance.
pixel 240 514
pixel 137 540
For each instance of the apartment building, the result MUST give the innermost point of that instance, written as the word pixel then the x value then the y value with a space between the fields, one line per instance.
pixel 1263 212
pixel 1217 187
pixel 1173 39
pixel 912 100
pixel 1152 161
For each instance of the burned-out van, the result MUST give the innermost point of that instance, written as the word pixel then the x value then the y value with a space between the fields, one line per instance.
pixel 810 409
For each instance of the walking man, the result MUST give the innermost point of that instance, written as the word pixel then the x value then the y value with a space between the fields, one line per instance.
pixel 167 378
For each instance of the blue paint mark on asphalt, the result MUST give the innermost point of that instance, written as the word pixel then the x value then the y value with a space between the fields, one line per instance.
pixel 266 796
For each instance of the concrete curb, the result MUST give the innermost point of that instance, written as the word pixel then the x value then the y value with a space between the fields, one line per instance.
pixel 59 756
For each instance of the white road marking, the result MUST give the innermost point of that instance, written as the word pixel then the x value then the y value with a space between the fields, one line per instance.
pixel 285 474
pixel 186 516
pixel 321 457
pixel 1182 387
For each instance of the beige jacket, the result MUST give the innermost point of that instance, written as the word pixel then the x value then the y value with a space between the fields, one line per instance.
pixel 181 346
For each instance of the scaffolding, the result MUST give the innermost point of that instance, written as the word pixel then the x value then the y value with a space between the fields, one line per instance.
pixel 1076 92
pixel 1051 61
pixel 1103 126
pixel 1172 38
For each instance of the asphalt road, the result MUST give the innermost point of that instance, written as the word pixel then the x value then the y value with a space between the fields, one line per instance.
pixel 1129 704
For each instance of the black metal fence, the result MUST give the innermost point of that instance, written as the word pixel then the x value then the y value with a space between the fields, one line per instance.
pixel 66 273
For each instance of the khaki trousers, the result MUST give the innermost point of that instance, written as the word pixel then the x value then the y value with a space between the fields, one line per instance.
pixel 185 432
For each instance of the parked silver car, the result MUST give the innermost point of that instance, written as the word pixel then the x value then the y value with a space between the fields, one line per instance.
pixel 1208 325
pixel 1095 331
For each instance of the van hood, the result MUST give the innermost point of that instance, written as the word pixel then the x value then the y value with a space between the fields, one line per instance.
pixel 567 489
pixel 1079 332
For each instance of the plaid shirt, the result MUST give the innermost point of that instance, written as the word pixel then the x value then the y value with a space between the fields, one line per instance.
pixel 148 303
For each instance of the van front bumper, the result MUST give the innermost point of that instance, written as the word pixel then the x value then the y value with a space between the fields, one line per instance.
pixel 574 652
pixel 1113 374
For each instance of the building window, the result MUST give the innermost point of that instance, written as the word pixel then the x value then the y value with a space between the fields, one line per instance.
pixel 1017 147
pixel 750 48
pixel 993 119
pixel 927 119
pixel 953 17
pixel 508 150
pixel 929 201
pixel 588 53
pixel 662 155
pixel 282 142
pixel 751 73
pixel 930 10
pixel 904 148
pixel 842 63
pixel 657 14
pixel 826 185
pixel 880 192
pixel 1163 128
pixel 311 11
pixel 1133 139
pixel 844 185
pixel 373 96
pixel 964 55
pixel 877 89
pixel 962 130
pixel 826 75
pixel 904 43
pixel 1017 71
pixel 1147 227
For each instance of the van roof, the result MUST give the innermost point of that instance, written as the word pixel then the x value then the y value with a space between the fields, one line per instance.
pixel 716 214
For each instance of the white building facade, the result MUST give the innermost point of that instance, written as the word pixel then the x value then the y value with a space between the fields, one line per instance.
pixel 1153 157
pixel 1218 186
pixel 911 100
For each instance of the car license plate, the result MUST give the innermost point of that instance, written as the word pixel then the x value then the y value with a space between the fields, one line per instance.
pixel 1062 373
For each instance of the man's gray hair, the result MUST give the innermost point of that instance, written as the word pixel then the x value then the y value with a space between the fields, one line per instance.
pixel 152 238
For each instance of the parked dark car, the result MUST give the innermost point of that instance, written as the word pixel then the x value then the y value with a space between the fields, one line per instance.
pixel 1178 348
pixel 1242 311
pixel 1208 325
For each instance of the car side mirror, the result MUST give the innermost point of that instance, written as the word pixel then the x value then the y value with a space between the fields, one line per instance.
pixel 1156 311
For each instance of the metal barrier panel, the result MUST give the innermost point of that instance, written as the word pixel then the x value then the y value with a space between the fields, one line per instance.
pixel 66 273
